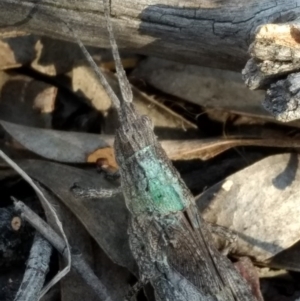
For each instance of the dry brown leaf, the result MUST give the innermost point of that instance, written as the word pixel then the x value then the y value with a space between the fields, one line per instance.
pixel 261 204
pixel 129 62
pixel 103 153
pixel 206 149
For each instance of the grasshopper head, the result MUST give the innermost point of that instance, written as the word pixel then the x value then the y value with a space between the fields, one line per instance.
pixel 134 134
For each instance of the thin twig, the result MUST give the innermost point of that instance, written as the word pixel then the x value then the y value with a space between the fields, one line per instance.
pixel 36 270
pixel 78 263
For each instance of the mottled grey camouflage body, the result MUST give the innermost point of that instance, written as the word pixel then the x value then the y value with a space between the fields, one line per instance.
pixel 168 238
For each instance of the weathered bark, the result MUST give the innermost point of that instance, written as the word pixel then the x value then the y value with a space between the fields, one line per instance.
pixel 283 98
pixel 275 52
pixel 274 66
pixel 210 33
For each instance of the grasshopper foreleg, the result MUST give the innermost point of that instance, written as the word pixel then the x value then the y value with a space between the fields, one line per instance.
pixel 93 192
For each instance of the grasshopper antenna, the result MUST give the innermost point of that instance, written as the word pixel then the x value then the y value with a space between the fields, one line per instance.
pixel 122 78
pixel 111 94
pixel 124 84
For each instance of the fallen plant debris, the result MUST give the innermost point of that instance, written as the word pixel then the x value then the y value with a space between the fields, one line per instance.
pixel 58 125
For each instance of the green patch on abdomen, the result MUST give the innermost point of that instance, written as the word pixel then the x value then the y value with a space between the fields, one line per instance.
pixel 165 198
pixel 163 188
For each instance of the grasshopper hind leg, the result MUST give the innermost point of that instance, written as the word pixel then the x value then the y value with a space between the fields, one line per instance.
pixel 130 296
pixel 229 237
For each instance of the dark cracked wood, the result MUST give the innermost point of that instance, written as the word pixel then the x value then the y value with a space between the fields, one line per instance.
pixel 211 33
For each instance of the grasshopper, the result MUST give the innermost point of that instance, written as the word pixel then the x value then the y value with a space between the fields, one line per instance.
pixel 169 239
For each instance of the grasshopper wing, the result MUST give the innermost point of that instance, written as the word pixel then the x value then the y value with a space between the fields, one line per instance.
pixel 190 251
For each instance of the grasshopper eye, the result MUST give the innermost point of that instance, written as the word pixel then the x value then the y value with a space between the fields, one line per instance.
pixel 124 133
pixel 146 119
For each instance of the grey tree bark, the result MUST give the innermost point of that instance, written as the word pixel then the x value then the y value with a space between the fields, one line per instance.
pixel 214 33
pixel 274 66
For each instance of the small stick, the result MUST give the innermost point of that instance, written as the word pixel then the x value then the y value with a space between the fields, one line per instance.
pixel 78 263
pixel 27 178
pixel 36 270
pixel 9 225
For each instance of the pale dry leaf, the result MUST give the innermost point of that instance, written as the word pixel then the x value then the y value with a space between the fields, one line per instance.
pixel 44 101
pixel 16 51
pixel 85 83
pixel 54 57
pixel 262 206
pixel 202 86
pixel 58 145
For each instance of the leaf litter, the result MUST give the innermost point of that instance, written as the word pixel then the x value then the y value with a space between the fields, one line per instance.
pixel 259 202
